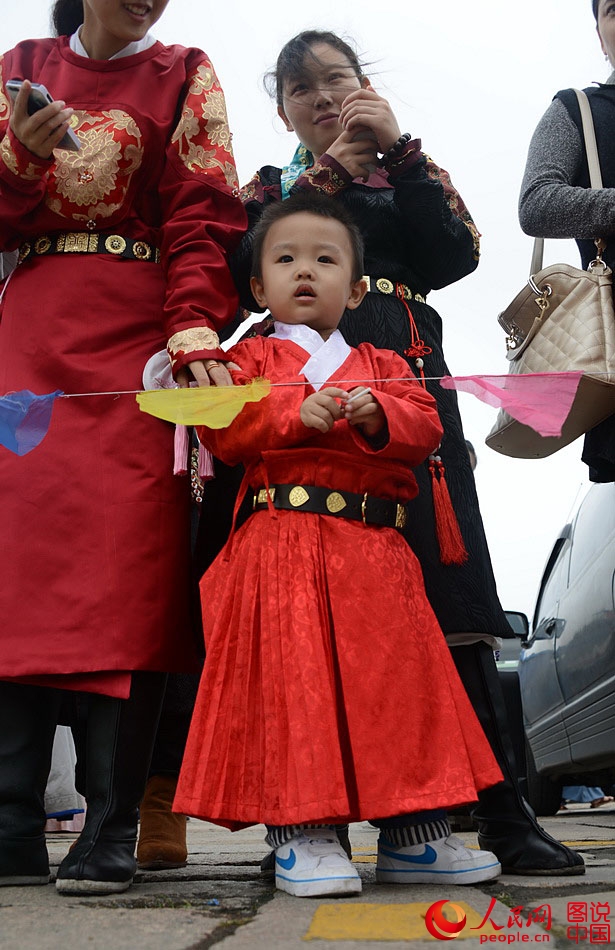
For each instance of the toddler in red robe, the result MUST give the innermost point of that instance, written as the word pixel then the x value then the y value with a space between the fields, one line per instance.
pixel 329 694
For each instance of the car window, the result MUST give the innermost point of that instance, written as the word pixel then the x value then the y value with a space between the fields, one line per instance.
pixel 595 522
pixel 554 580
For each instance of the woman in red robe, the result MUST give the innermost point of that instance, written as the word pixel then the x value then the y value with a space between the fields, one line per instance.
pixel 123 246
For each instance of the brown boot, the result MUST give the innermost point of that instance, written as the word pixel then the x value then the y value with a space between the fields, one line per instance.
pixel 162 835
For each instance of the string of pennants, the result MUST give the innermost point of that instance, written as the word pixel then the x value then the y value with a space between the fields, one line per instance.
pixel 539 400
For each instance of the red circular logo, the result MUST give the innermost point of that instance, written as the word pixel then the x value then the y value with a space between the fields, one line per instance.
pixel 440 926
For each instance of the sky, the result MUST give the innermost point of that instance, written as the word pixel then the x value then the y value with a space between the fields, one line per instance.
pixel 471 80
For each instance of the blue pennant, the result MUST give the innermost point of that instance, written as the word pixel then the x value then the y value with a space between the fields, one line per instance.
pixel 24 419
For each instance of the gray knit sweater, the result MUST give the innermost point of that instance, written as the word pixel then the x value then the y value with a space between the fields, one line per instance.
pixel 550 205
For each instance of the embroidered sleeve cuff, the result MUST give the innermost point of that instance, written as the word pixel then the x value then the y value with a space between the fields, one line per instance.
pixel 326 176
pixel 196 343
pixel 22 163
pixel 406 160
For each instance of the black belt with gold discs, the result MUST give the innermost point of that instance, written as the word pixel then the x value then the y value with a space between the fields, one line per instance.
pixel 87 242
pixel 340 504
pixel 382 285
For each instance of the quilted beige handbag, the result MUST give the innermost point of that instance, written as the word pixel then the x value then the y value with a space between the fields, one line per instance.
pixel 563 320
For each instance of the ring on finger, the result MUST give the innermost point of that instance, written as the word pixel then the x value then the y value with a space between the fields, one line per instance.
pixel 211 364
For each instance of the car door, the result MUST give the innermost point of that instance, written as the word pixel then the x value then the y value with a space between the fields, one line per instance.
pixel 540 689
pixel 585 640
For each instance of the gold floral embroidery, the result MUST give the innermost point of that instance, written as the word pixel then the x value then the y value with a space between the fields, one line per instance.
pixel 216 121
pixel 5 107
pixel 454 201
pixel 191 341
pixel 202 136
pixel 92 183
pixel 8 155
pixel 203 80
pixel 253 190
pixel 324 178
pixel 29 172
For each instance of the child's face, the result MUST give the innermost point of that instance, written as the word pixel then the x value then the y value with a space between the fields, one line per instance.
pixel 307 272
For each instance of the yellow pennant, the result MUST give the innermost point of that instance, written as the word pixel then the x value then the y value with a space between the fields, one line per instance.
pixel 211 406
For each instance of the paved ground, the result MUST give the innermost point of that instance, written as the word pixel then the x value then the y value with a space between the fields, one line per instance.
pixel 222 898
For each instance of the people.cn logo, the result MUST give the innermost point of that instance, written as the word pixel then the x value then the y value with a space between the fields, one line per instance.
pixel 441 927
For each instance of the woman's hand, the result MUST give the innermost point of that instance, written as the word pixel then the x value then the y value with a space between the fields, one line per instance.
pixel 358 155
pixel 364 412
pixel 42 132
pixel 206 373
pixel 322 410
pixel 365 109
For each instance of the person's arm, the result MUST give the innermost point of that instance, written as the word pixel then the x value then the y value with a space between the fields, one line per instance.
pixel 23 175
pixel 273 423
pixel 441 240
pixel 412 429
pixel 202 221
pixel 550 205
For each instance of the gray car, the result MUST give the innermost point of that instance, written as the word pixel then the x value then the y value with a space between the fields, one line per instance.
pixel 567 664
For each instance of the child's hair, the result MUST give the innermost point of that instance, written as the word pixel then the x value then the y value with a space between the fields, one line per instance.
pixel 294 58
pixel 66 16
pixel 595 4
pixel 311 204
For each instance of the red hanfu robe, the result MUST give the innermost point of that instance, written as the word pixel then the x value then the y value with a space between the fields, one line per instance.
pixel 95 552
pixel 328 692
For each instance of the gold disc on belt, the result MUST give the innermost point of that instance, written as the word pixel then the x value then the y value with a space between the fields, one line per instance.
pixel 298 496
pixel 385 286
pixel 335 502
pixel 115 244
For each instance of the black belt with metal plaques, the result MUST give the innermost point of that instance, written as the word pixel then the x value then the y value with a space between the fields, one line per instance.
pixel 89 242
pixel 341 504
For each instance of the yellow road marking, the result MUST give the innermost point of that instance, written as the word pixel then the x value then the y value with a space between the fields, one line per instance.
pixel 385 922
pixel 602 843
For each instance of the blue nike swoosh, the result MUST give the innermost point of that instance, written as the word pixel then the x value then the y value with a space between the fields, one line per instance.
pixel 287 863
pixel 428 856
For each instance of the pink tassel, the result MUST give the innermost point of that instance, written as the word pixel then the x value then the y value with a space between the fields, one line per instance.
pixel 206 464
pixel 180 465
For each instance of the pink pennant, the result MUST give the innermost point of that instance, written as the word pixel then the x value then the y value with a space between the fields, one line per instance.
pixel 539 400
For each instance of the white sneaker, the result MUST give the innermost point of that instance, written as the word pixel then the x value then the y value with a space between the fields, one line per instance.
pixel 446 860
pixel 314 864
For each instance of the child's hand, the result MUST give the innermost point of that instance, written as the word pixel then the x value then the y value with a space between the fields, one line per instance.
pixel 363 411
pixel 322 410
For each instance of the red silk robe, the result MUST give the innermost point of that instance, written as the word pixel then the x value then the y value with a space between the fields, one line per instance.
pixel 95 557
pixel 328 692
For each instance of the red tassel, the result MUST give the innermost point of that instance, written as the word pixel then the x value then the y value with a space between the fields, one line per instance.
pixel 418 348
pixel 452 548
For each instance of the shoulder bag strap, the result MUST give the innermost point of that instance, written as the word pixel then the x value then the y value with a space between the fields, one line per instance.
pixel 593 163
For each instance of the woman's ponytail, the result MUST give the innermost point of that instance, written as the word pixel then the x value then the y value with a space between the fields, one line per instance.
pixel 66 16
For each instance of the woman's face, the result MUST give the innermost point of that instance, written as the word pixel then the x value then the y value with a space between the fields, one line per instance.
pixel 109 25
pixel 313 100
pixel 606 28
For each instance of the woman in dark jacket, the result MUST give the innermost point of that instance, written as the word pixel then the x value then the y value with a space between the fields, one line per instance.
pixel 558 202
pixel 419 236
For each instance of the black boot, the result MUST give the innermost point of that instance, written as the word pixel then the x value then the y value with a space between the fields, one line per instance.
pixel 120 737
pixel 28 717
pixel 507 825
